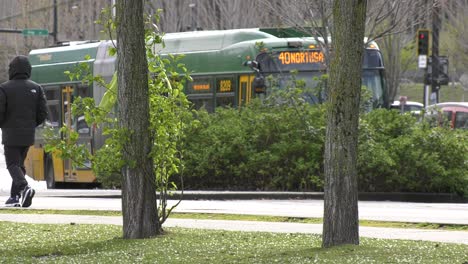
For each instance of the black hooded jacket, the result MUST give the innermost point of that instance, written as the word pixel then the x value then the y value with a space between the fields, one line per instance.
pixel 22 105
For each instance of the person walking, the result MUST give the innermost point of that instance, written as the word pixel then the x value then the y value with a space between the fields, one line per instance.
pixel 23 107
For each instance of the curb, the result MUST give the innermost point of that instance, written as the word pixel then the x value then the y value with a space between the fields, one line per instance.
pixel 260 195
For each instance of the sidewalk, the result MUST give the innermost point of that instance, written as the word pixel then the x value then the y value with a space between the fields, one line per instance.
pixel 247 195
pixel 459 237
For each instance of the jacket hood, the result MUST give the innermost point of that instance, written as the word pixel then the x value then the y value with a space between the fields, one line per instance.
pixel 20 68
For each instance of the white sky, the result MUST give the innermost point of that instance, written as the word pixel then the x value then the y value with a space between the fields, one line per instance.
pixel 5 178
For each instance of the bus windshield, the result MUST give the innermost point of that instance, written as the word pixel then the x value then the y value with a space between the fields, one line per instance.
pixel 373 81
pixel 310 64
pixel 372 59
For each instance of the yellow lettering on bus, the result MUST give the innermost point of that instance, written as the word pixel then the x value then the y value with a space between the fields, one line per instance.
pixel 201 87
pixel 318 57
pixel 293 58
pixel 301 57
pixel 287 58
pixel 225 86
pixel 281 57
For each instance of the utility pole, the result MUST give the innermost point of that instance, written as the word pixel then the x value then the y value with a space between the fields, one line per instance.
pixel 9 30
pixel 54 33
pixel 193 16
pixel 422 42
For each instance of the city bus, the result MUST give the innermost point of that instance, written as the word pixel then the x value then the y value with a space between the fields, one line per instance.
pixel 225 65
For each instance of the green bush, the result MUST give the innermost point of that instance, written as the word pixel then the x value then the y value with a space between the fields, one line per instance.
pixel 396 153
pixel 267 146
pixel 258 147
pixel 378 166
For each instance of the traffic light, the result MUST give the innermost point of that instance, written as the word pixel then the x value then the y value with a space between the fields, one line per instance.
pixel 423 42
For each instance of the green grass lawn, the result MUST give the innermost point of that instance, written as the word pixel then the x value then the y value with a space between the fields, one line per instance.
pixel 45 243
pixel 448 93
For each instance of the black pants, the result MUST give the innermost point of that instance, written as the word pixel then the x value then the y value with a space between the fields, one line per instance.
pixel 14 157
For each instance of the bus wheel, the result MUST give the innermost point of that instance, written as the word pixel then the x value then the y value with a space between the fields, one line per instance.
pixel 49 176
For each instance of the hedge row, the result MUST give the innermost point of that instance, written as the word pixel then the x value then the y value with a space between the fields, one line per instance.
pixel 280 147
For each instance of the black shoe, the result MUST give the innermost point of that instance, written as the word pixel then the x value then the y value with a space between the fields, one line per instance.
pixel 13 201
pixel 26 198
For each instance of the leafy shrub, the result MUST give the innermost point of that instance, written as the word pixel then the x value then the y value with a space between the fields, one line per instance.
pixel 255 147
pixel 271 146
pixel 396 153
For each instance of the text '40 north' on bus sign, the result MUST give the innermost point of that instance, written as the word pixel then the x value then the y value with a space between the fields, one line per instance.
pixel 35 32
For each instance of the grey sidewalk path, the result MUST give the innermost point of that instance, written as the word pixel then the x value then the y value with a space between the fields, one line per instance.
pixel 459 237
pixel 249 195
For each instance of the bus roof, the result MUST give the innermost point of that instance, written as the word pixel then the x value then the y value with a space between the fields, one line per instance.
pixel 209 40
pixel 49 64
pixel 225 51
pixel 217 40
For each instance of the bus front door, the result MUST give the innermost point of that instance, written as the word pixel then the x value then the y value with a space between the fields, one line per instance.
pixel 67 99
pixel 67 170
pixel 245 89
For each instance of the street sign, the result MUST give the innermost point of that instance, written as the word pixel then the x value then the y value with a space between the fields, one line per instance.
pixel 422 61
pixel 35 32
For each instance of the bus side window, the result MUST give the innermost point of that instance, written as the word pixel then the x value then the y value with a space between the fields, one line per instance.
pixel 225 87
pixel 54 113
pixel 200 93
pixel 53 105
pixel 81 125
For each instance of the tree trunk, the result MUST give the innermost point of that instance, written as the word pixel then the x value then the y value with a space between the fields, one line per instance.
pixel 139 208
pixel 341 221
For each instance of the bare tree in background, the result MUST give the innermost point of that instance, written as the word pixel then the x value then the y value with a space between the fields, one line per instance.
pixel 340 220
pixel 454 40
pixel 175 16
pixel 309 16
pixel 229 14
pixel 139 208
pixel 394 23
pixel 187 15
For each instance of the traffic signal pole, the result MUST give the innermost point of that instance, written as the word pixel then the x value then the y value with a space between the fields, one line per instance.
pixel 435 66
pixel 424 60
pixel 8 30
pixel 436 24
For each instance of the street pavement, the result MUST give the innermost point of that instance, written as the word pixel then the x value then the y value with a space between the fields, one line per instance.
pixel 443 213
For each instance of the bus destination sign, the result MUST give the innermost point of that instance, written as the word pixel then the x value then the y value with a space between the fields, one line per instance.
pixel 301 57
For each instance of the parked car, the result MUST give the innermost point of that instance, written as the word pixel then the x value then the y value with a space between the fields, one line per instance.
pixel 454 113
pixel 408 106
